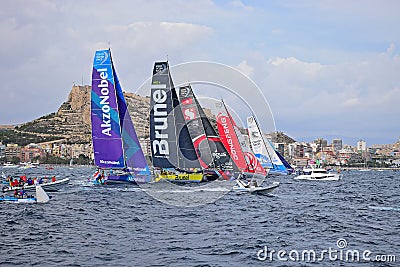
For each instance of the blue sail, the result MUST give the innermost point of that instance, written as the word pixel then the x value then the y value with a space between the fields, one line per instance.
pixel 133 153
pixel 265 151
pixel 288 167
pixel 106 128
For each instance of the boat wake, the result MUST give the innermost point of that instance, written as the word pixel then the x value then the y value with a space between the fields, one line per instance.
pixel 382 208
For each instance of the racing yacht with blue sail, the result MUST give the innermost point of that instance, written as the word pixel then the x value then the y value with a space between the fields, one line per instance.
pixel 268 156
pixel 117 151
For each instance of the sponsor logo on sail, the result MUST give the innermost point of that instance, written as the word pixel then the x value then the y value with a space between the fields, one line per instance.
pixel 189 113
pixel 160 145
pixel 110 162
pixel 250 160
pixel 187 101
pixel 159 67
pixel 104 103
pixel 228 137
pixel 184 91
pixel 100 57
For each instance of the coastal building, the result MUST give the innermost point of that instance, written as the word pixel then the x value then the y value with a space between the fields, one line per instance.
pixel 280 147
pixel 31 153
pixel 320 144
pixel 337 144
pixel 361 146
pixel 12 150
pixel 80 149
pixel 2 150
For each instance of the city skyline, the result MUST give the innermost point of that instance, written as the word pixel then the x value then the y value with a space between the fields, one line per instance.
pixel 327 69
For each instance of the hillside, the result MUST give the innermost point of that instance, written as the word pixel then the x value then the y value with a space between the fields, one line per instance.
pixel 72 120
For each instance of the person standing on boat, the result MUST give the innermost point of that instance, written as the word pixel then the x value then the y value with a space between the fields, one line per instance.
pixel 255 183
pixel 23 177
pixel 15 183
pixel 22 193
pixel 53 179
pixel 102 178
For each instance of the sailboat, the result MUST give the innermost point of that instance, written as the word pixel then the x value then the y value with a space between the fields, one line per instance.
pixel 117 151
pixel 268 156
pixel 213 156
pixel 173 154
pixel 364 168
pixel 252 173
pixel 41 197
pixel 236 145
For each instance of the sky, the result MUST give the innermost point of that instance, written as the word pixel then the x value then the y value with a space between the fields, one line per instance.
pixel 327 68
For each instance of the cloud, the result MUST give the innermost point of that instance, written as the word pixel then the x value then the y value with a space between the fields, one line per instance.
pixel 351 102
pixel 310 97
pixel 150 36
pixel 241 5
pixel 308 63
pixel 245 68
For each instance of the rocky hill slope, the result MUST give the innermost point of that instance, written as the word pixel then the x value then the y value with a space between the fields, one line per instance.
pixel 72 120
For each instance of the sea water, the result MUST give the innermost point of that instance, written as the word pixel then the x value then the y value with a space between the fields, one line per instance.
pixel 302 223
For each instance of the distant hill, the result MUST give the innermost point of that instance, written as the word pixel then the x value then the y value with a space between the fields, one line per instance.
pixel 72 120
pixel 280 137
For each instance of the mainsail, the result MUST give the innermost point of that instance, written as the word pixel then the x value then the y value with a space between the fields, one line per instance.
pixel 171 145
pixel 264 150
pixel 106 130
pixel 210 150
pixel 235 143
pixel 115 142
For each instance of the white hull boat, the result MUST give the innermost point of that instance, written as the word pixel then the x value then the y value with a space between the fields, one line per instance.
pixel 317 174
pixel 49 186
pixel 243 186
pixel 10 166
pixel 41 197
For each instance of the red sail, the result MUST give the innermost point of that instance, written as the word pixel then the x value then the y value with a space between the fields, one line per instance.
pixel 229 139
pixel 234 142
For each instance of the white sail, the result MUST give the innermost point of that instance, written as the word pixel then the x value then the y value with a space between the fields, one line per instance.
pixel 41 195
pixel 262 148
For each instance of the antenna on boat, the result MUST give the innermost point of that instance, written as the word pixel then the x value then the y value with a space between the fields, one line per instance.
pixel 167 57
